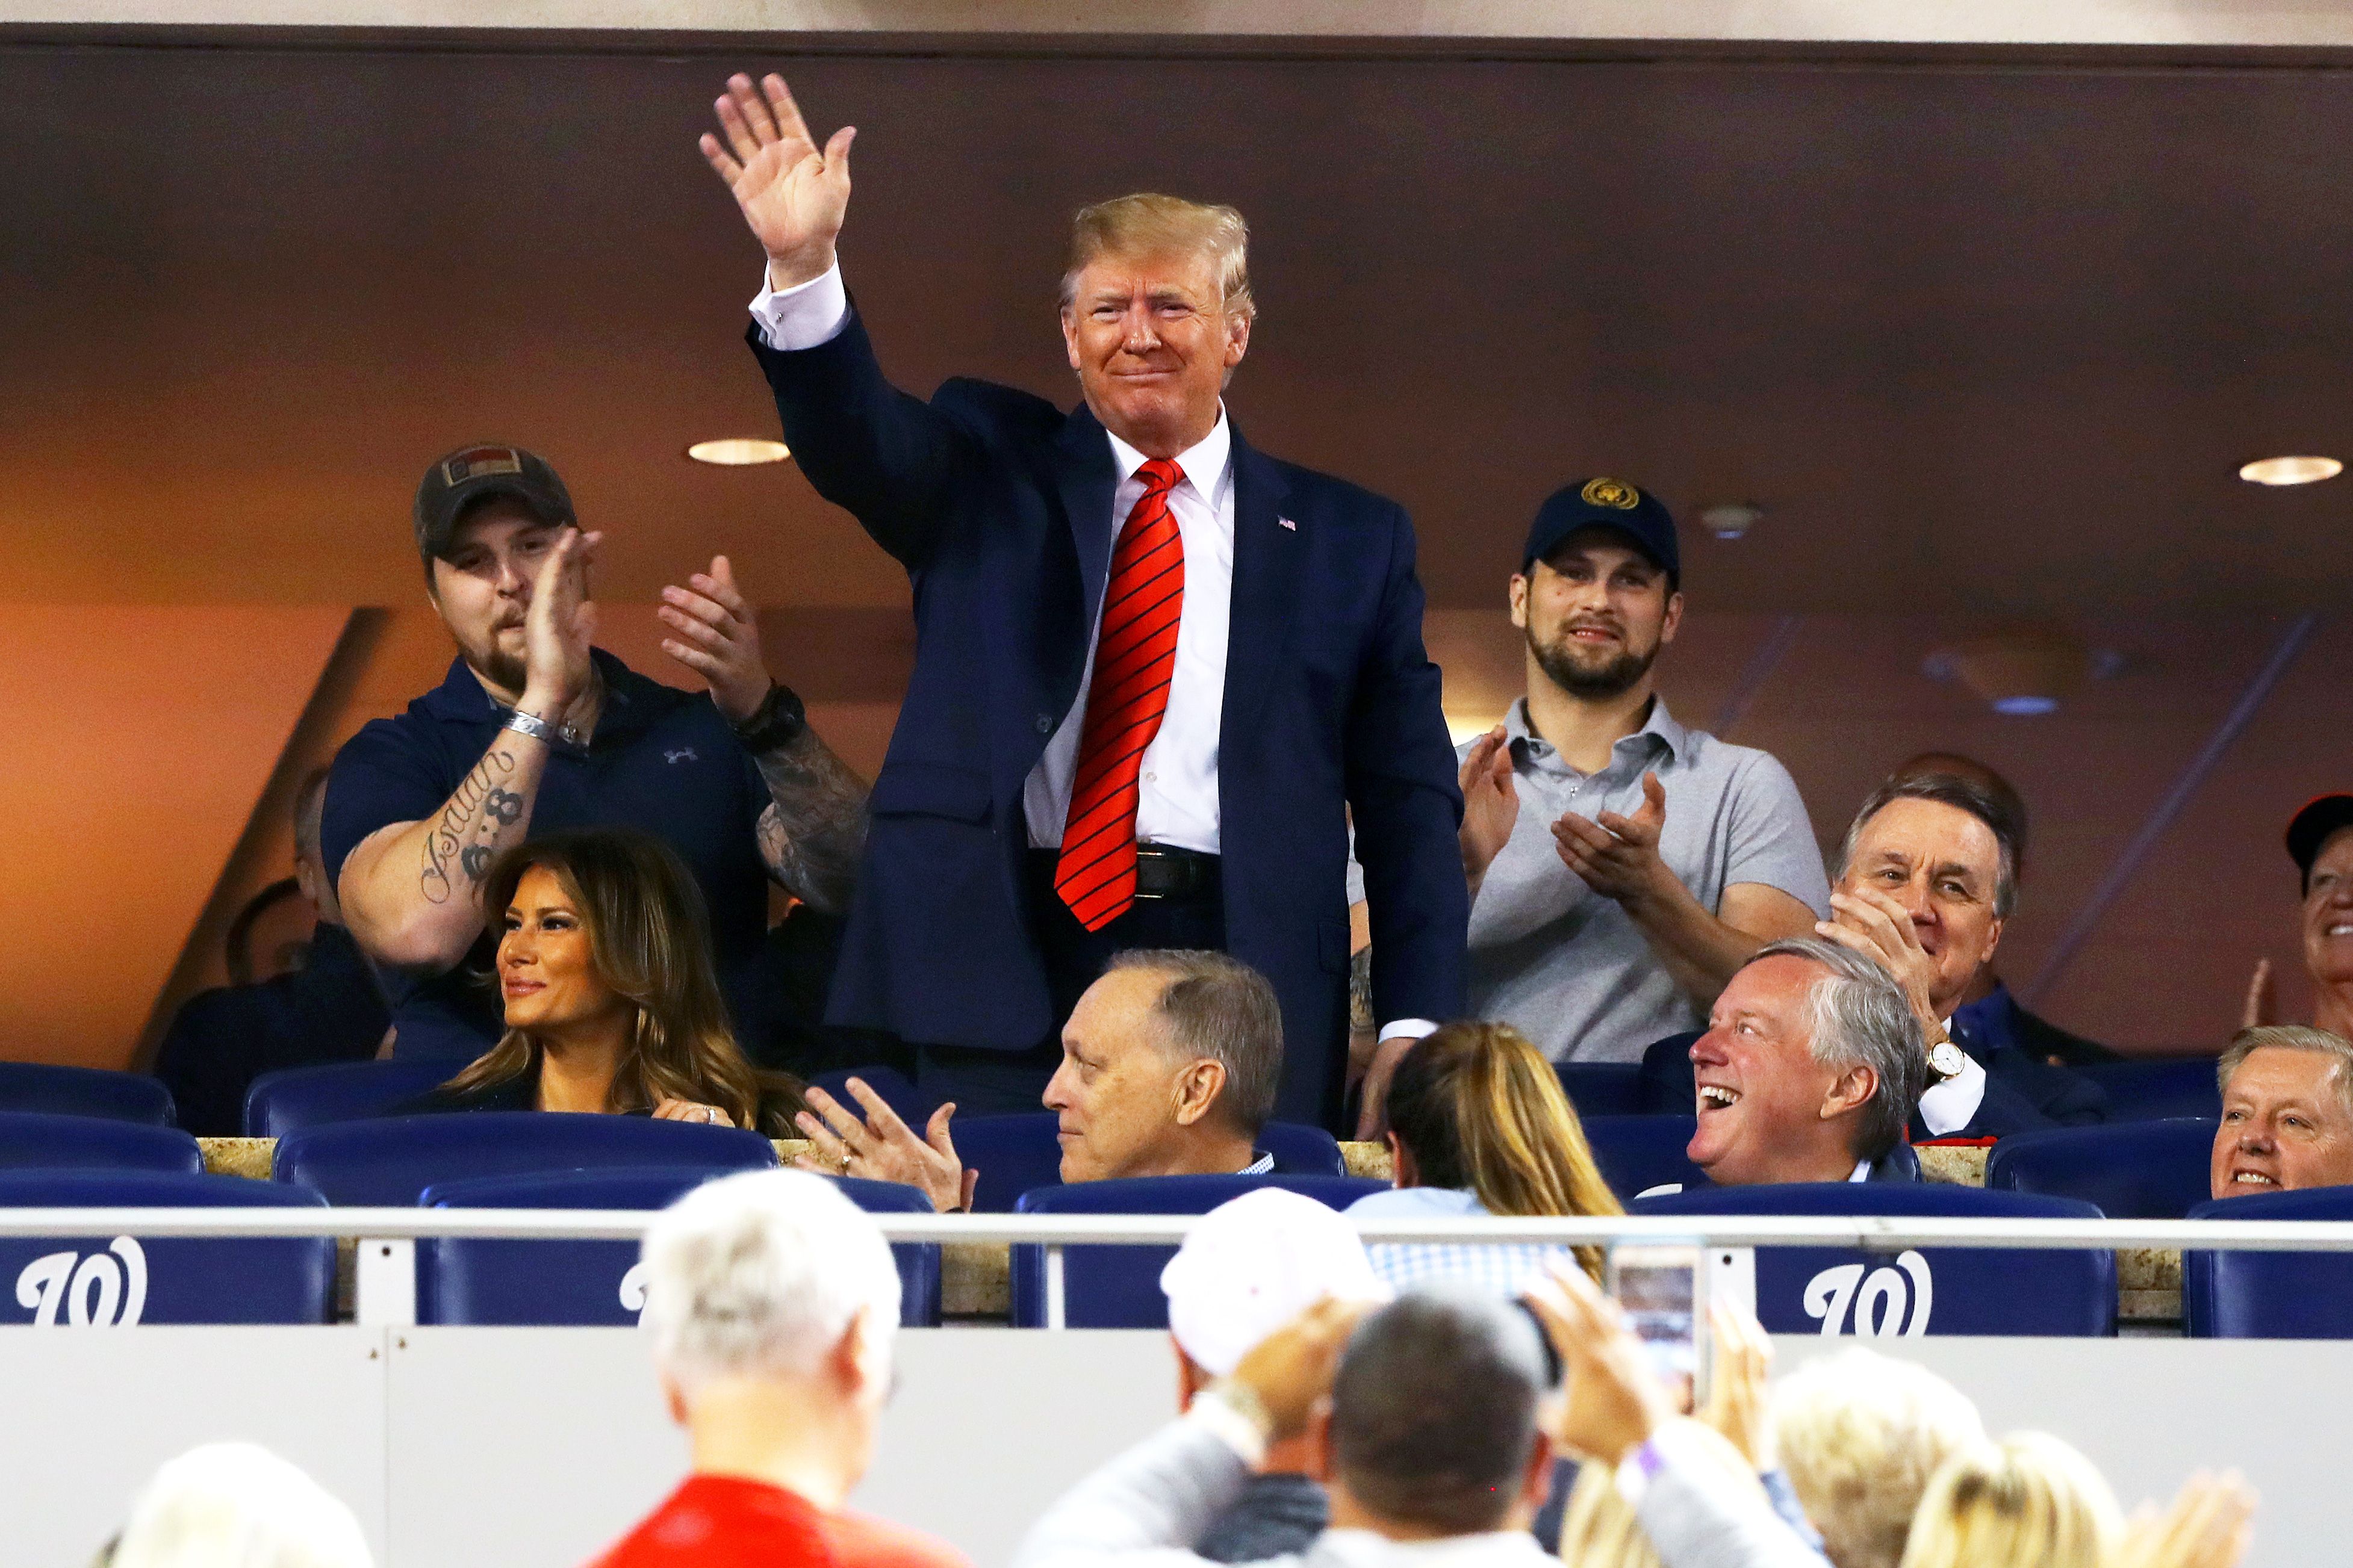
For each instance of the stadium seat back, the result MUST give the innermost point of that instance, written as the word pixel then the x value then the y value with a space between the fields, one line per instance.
pixel 116 1280
pixel 484 1281
pixel 913 1105
pixel 2271 1294
pixel 30 1141
pixel 1917 1291
pixel 1638 1152
pixel 1602 1089
pixel 392 1161
pixel 84 1091
pixel 2130 1170
pixel 1021 1154
pixel 292 1098
pixel 2158 1090
pixel 1119 1286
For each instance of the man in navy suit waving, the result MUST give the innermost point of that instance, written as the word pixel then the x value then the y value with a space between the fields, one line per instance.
pixel 1155 670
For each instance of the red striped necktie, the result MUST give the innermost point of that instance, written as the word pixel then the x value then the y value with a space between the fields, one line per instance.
pixel 1135 655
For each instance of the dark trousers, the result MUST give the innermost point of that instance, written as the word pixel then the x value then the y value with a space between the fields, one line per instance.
pixel 994 1083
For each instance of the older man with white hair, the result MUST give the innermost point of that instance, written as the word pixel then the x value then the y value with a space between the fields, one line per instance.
pixel 773 1303
pixel 238 1505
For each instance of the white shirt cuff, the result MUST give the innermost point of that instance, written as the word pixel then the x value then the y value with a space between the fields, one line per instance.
pixel 1951 1105
pixel 1412 1028
pixel 1231 1426
pixel 804 316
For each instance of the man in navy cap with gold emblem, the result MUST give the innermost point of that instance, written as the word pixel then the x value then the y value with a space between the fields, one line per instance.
pixel 1622 866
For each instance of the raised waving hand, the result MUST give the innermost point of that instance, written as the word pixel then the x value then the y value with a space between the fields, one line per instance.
pixel 793 193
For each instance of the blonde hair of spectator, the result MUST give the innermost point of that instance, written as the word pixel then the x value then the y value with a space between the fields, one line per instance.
pixel 649 939
pixel 760 1274
pixel 1478 1106
pixel 2029 1497
pixel 2290 1038
pixel 238 1505
pixel 1859 1435
pixel 1600 1529
pixel 1149 223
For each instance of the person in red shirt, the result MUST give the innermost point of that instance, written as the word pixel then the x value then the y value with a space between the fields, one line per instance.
pixel 772 1303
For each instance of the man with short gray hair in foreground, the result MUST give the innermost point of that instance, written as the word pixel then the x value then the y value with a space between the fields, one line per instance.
pixel 772 1303
pixel 1426 1422
pixel 1169 1068
pixel 1810 1070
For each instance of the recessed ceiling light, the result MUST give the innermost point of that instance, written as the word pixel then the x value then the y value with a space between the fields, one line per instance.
pixel 2291 471
pixel 739 451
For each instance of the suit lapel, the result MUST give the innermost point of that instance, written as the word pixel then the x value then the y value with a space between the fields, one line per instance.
pixel 1086 480
pixel 1269 557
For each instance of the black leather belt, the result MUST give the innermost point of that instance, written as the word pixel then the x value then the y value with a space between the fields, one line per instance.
pixel 1162 871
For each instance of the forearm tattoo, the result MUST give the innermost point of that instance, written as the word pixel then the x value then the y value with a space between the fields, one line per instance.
pixel 813 828
pixel 468 834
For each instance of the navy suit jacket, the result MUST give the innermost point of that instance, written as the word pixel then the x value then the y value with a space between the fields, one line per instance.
pixel 999 504
pixel 2021 1094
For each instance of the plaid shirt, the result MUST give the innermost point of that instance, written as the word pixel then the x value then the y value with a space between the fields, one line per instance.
pixel 1505 1268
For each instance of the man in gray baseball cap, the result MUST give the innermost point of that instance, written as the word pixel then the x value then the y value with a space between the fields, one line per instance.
pixel 535 730
pixel 1622 866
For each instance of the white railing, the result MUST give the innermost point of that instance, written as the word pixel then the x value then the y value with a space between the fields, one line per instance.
pixel 386 1266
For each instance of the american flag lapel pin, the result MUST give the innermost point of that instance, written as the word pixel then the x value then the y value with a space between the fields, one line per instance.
pixel 1286 522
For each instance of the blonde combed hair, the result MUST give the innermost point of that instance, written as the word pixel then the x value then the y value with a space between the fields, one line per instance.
pixel 1599 1530
pixel 2029 1497
pixel 1478 1106
pixel 1150 224
pixel 1860 1433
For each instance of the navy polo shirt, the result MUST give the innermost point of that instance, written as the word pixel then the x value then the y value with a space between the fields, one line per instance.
pixel 661 760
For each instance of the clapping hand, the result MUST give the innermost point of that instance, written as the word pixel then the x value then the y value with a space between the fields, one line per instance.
pixel 2209 1526
pixel 1293 1367
pixel 558 627
pixel 793 196
pixel 1737 1403
pixel 718 638
pixel 1618 855
pixel 1491 803
pixel 883 1148
pixel 2262 1005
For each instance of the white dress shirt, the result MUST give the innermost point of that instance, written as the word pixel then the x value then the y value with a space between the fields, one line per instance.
pixel 1947 1105
pixel 1177 787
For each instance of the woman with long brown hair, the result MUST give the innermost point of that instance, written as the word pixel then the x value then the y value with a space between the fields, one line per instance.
pixel 612 1005
pixel 1479 1125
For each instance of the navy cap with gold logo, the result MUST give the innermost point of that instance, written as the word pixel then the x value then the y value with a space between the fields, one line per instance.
pixel 1636 515
pixel 460 482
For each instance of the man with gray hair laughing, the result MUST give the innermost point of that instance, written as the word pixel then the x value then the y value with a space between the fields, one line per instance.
pixel 1810 1070
pixel 772 1302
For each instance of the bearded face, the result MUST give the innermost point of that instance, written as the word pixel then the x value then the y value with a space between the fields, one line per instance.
pixel 1595 613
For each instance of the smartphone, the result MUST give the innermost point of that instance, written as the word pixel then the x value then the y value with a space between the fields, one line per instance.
pixel 1661 1286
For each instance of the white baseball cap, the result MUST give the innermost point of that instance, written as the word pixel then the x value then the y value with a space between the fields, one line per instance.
pixel 1254 1264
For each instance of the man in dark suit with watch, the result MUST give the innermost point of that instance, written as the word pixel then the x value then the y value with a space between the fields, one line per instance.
pixel 1927 877
pixel 533 730
pixel 1156 672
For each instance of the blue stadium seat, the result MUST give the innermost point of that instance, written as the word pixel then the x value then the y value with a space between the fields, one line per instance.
pixel 461 1280
pixel 121 1280
pixel 1018 1154
pixel 913 1105
pixel 2153 1091
pixel 2131 1170
pixel 291 1098
pixel 2271 1294
pixel 88 1143
pixel 1638 1152
pixel 1119 1286
pixel 84 1091
pixel 392 1159
pixel 1939 1290
pixel 1602 1089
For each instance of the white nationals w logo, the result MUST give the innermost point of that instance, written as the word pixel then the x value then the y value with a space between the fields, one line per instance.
pixel 633 1288
pixel 1879 1302
pixel 107 1289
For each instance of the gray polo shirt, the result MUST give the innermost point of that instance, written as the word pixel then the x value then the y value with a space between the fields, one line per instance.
pixel 1564 966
